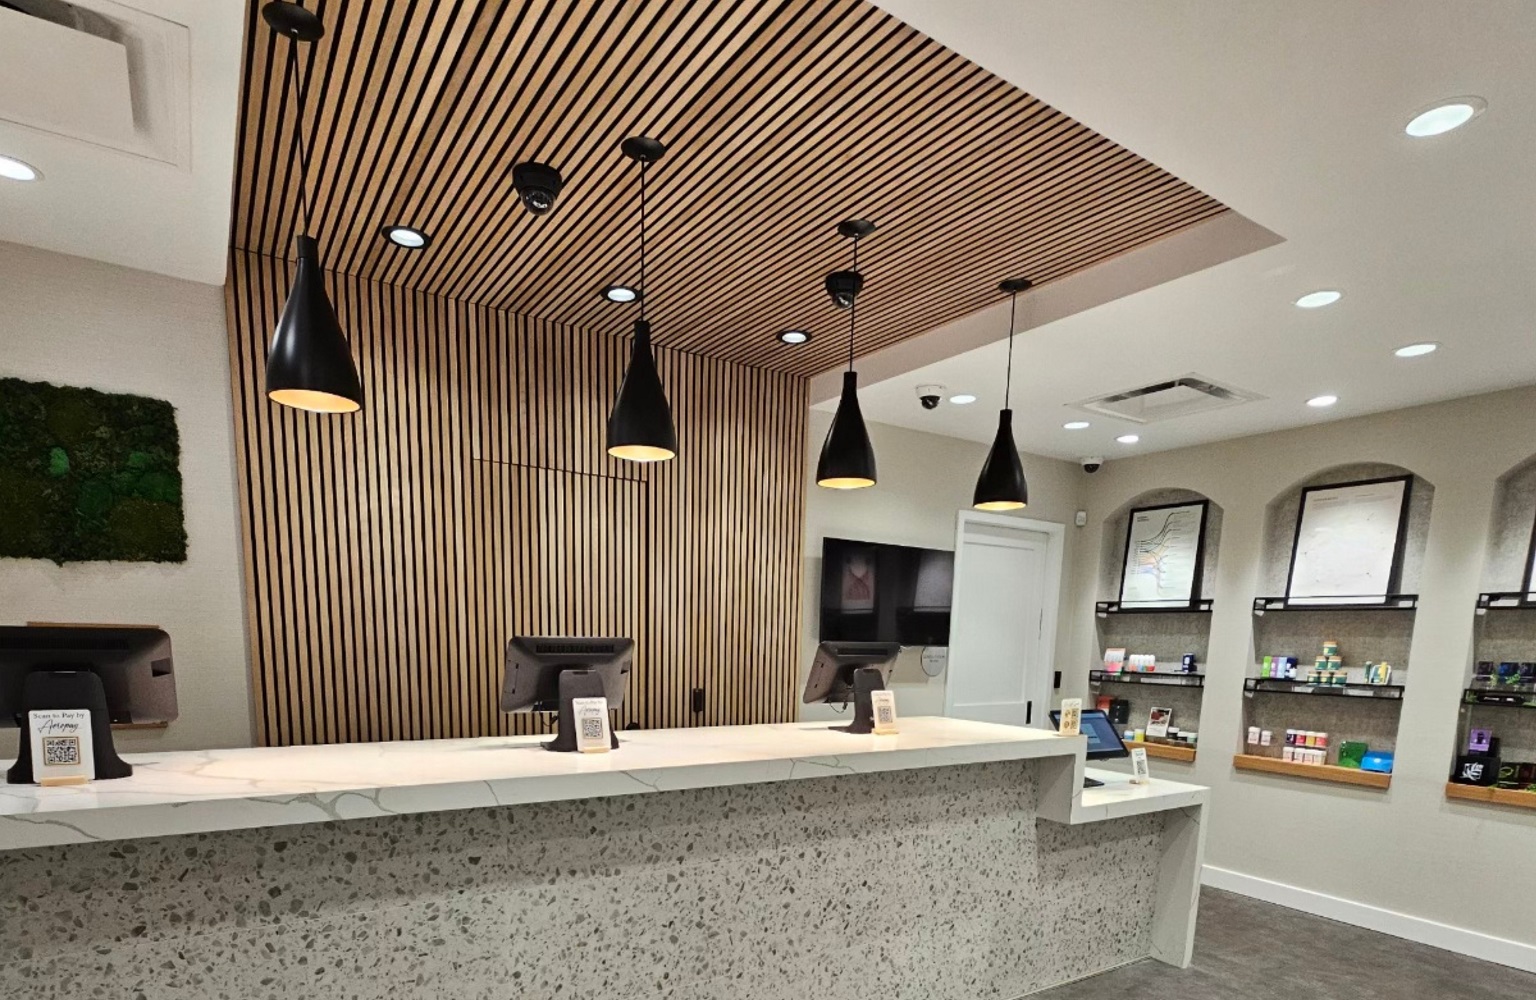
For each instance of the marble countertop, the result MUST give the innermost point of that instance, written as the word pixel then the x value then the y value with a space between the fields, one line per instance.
pixel 200 791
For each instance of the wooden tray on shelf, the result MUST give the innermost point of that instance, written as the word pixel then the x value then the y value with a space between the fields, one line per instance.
pixel 1491 796
pixel 1312 772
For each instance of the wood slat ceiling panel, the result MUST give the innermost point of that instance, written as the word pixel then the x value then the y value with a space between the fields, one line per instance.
pixel 782 117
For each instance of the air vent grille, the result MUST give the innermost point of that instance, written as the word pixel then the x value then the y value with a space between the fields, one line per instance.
pixel 1170 398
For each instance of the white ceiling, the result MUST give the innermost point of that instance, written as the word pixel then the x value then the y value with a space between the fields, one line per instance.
pixel 1292 114
pixel 132 209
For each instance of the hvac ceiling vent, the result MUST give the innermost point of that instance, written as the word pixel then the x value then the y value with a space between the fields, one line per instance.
pixel 1179 397
pixel 97 71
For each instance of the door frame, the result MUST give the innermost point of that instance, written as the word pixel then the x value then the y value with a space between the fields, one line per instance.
pixel 1056 540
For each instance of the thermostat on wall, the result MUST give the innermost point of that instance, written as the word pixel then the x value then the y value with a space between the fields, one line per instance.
pixel 934 660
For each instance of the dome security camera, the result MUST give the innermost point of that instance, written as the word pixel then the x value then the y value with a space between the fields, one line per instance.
pixel 1092 464
pixel 537 185
pixel 930 395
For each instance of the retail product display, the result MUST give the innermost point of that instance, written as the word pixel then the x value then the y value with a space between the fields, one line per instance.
pixel 1114 660
pixel 1518 676
pixel 1158 721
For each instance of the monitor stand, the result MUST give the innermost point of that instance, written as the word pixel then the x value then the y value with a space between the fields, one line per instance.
pixel 1092 783
pixel 575 683
pixel 54 689
pixel 866 680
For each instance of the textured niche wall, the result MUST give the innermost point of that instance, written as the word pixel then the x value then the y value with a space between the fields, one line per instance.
pixel 390 555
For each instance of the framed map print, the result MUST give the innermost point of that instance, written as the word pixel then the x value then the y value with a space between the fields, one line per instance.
pixel 1164 556
pixel 1349 542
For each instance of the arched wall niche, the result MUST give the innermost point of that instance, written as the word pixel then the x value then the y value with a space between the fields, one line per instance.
pixel 1168 635
pixel 1509 536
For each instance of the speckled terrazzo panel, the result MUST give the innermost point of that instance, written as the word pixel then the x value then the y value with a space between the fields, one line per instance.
pixel 936 883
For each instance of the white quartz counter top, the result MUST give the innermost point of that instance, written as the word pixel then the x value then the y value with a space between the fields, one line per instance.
pixel 200 791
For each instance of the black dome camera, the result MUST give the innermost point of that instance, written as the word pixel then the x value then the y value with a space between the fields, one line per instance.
pixel 844 287
pixel 537 184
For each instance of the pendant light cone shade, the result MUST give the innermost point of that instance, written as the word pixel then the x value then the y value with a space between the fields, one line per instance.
pixel 640 428
pixel 310 364
pixel 1001 485
pixel 847 458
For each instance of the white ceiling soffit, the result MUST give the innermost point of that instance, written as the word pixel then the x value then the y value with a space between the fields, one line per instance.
pixel 1293 114
pixel 128 110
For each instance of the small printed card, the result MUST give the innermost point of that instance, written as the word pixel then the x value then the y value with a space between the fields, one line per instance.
pixel 1158 721
pixel 1071 717
pixel 884 705
pixel 61 746
pixel 1140 773
pixel 592 732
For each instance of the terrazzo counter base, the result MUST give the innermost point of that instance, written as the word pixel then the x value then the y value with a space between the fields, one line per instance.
pixel 957 863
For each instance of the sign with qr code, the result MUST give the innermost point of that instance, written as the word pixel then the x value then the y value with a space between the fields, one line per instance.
pixel 884 705
pixel 61 746
pixel 592 732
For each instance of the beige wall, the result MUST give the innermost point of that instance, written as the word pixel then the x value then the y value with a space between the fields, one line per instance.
pixel 1407 850
pixel 925 480
pixel 81 323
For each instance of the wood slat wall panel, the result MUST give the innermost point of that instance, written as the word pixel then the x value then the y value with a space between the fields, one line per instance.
pixel 783 116
pixel 391 554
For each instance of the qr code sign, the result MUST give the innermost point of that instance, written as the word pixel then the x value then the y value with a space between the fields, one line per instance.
pixel 61 751
pixel 884 715
pixel 591 729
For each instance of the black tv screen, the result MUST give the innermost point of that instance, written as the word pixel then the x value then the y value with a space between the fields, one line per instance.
pixel 885 593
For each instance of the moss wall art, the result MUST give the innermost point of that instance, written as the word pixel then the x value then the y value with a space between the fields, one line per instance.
pixel 87 475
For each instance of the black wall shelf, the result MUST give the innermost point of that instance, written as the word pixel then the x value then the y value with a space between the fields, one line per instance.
pixel 1393 602
pixel 1500 697
pixel 1274 685
pixel 1201 606
pixel 1131 677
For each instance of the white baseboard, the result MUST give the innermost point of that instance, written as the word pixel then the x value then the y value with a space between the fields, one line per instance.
pixel 1474 944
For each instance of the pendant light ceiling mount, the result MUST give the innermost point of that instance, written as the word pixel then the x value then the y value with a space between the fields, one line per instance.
pixel 643 149
pixel 855 229
pixel 1001 485
pixel 296 22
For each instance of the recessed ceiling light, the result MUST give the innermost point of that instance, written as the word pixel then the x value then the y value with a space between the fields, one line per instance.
pixel 13 169
pixel 406 236
pixel 1416 350
pixel 620 293
pixel 1322 401
pixel 963 399
pixel 1128 438
pixel 1442 118
pixel 794 336
pixel 1318 299
pixel 1075 425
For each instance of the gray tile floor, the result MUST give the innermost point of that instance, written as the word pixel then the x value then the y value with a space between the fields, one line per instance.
pixel 1248 950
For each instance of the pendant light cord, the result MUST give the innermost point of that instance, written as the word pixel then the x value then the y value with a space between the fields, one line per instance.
pixel 1013 311
pixel 298 135
pixel 853 305
pixel 643 296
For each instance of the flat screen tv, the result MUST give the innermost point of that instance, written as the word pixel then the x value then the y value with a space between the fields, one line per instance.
pixel 885 593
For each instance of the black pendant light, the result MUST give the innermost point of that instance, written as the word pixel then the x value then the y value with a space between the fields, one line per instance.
pixel 1001 485
pixel 847 458
pixel 640 428
pixel 309 366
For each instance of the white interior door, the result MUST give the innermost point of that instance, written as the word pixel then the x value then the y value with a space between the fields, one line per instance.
pixel 1002 632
